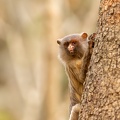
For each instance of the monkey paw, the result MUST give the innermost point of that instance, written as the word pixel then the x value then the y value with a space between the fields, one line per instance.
pixel 91 39
pixel 75 112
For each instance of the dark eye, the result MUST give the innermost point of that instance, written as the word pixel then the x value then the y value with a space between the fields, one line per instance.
pixel 73 43
pixel 66 44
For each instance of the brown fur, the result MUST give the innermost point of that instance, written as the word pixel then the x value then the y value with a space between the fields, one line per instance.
pixel 76 73
pixel 76 66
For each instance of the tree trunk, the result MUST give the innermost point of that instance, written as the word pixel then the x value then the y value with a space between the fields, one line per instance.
pixel 101 96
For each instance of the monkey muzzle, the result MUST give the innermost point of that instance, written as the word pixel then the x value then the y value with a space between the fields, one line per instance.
pixel 71 48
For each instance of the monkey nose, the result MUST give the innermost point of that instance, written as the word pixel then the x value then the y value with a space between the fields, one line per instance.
pixel 71 48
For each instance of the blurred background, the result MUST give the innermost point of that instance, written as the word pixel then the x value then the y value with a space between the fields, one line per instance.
pixel 33 83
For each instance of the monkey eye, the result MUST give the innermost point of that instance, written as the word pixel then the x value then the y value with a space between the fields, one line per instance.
pixel 66 44
pixel 74 43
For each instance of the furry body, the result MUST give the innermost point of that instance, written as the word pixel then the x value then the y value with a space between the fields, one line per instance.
pixel 75 54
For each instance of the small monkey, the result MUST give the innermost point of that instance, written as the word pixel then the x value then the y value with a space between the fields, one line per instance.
pixel 75 53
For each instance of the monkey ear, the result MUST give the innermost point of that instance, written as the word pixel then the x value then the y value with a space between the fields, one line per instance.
pixel 84 35
pixel 59 41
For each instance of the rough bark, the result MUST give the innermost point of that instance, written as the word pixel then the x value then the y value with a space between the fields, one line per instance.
pixel 101 96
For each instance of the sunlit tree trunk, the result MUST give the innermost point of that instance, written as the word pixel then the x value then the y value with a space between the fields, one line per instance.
pixel 53 94
pixel 25 52
pixel 101 97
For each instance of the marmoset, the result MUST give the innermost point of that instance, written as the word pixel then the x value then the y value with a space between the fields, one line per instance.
pixel 75 53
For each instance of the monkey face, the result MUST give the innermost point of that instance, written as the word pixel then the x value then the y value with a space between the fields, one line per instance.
pixel 72 46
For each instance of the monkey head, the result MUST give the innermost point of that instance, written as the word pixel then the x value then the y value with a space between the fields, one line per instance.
pixel 72 46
